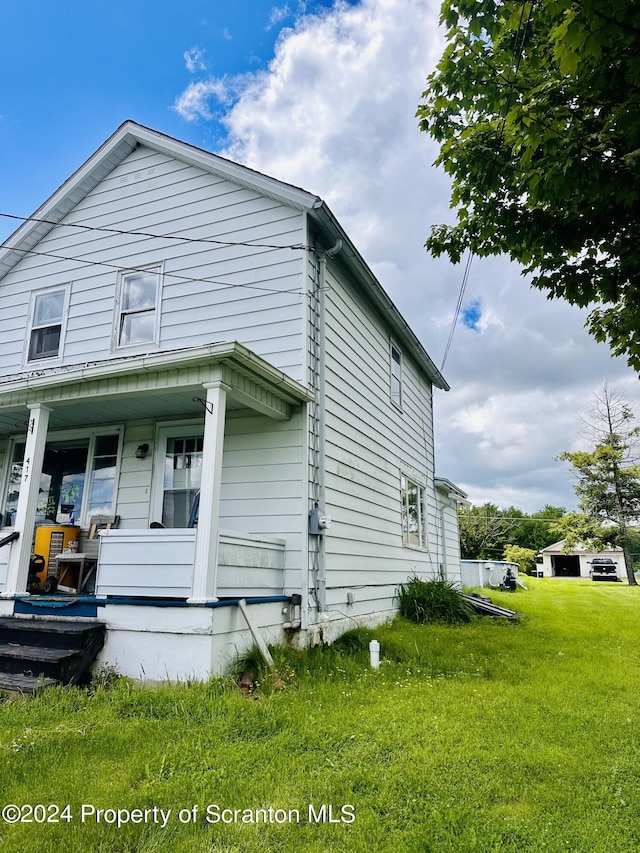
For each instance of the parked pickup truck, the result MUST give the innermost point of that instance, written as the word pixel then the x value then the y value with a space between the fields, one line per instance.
pixel 603 569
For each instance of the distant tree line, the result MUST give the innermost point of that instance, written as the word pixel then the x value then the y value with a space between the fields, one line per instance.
pixel 607 485
pixel 486 530
pixel 489 532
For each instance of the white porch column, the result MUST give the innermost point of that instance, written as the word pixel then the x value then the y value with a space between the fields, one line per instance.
pixel 205 570
pixel 20 556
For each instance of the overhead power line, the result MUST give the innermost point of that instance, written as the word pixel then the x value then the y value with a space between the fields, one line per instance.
pixel 125 233
pixel 522 34
pixel 294 291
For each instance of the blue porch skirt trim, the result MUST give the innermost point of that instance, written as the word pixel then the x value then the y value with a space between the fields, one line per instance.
pixel 88 605
pixel 50 607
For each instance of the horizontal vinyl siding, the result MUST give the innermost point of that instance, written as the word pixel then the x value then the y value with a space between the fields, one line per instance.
pixel 262 488
pixel 452 544
pixel 369 442
pixel 134 485
pixel 153 193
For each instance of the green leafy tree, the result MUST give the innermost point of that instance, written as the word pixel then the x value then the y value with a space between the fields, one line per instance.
pixel 533 531
pixel 607 479
pixel 484 531
pixel 524 557
pixel 536 107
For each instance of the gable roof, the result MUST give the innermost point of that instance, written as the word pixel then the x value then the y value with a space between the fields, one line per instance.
pixel 129 136
pixel 579 548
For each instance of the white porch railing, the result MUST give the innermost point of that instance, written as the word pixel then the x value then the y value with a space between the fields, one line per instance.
pixel 159 564
pixel 4 565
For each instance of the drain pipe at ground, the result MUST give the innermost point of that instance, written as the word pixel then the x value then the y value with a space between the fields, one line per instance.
pixel 374 654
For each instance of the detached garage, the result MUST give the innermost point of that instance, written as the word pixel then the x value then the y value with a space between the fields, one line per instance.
pixel 577 563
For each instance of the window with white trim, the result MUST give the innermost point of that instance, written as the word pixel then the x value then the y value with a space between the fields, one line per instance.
pixel 138 308
pixel 395 375
pixel 78 479
pixel 48 311
pixel 178 475
pixel 414 514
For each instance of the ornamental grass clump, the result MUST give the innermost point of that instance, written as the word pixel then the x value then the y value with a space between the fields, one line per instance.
pixel 432 601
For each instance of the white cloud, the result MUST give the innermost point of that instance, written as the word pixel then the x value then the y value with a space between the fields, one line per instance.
pixel 279 14
pixel 195 102
pixel 194 60
pixel 335 113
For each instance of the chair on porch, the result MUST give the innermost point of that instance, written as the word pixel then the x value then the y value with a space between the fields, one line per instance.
pixel 85 562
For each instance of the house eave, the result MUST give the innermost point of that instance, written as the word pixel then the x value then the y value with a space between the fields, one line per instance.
pixel 323 216
pixel 451 491
pixel 130 135
pixel 109 155
pixel 233 354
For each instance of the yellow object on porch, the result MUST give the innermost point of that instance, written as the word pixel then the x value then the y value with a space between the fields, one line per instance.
pixel 51 540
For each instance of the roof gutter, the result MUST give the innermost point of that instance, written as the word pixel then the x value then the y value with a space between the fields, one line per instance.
pixel 323 215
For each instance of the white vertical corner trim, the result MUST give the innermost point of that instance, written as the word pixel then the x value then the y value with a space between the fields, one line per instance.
pixel 20 555
pixel 205 569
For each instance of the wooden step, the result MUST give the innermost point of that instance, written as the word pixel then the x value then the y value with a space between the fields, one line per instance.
pixel 51 663
pixel 63 633
pixel 25 685
pixel 46 650
pixel 34 652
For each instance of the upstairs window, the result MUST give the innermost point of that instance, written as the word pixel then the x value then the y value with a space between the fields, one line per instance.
pixel 395 376
pixel 47 322
pixel 139 297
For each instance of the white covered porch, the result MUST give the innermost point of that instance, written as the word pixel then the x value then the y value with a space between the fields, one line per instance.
pixel 160 564
pixel 196 565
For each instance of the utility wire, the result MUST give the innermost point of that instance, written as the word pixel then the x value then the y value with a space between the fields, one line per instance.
pixel 295 291
pixel 522 31
pixel 124 233
pixel 456 314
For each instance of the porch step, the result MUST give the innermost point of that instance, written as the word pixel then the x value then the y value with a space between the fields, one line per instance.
pixel 25 685
pixel 41 652
pixel 50 663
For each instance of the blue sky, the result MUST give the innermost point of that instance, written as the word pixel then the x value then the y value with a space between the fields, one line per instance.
pixel 72 71
pixel 322 95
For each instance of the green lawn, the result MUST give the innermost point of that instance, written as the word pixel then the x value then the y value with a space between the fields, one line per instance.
pixel 484 737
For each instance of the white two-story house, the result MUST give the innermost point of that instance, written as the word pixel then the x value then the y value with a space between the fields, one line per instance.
pixel 198 353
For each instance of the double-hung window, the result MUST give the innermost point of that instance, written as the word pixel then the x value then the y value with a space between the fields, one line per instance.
pixel 48 312
pixel 414 515
pixel 138 308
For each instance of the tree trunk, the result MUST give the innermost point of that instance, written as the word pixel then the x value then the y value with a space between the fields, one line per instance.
pixel 628 562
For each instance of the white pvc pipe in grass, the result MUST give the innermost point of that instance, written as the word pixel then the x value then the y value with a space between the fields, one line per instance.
pixel 374 654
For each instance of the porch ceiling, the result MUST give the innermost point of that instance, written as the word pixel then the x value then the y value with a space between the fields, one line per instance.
pixel 162 385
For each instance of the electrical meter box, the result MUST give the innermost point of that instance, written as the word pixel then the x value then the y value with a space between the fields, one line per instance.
pixel 319 521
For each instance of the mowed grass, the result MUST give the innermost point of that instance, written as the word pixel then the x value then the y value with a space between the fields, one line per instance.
pixel 482 737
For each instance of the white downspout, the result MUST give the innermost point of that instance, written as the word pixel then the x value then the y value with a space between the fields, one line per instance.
pixel 444 565
pixel 321 579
